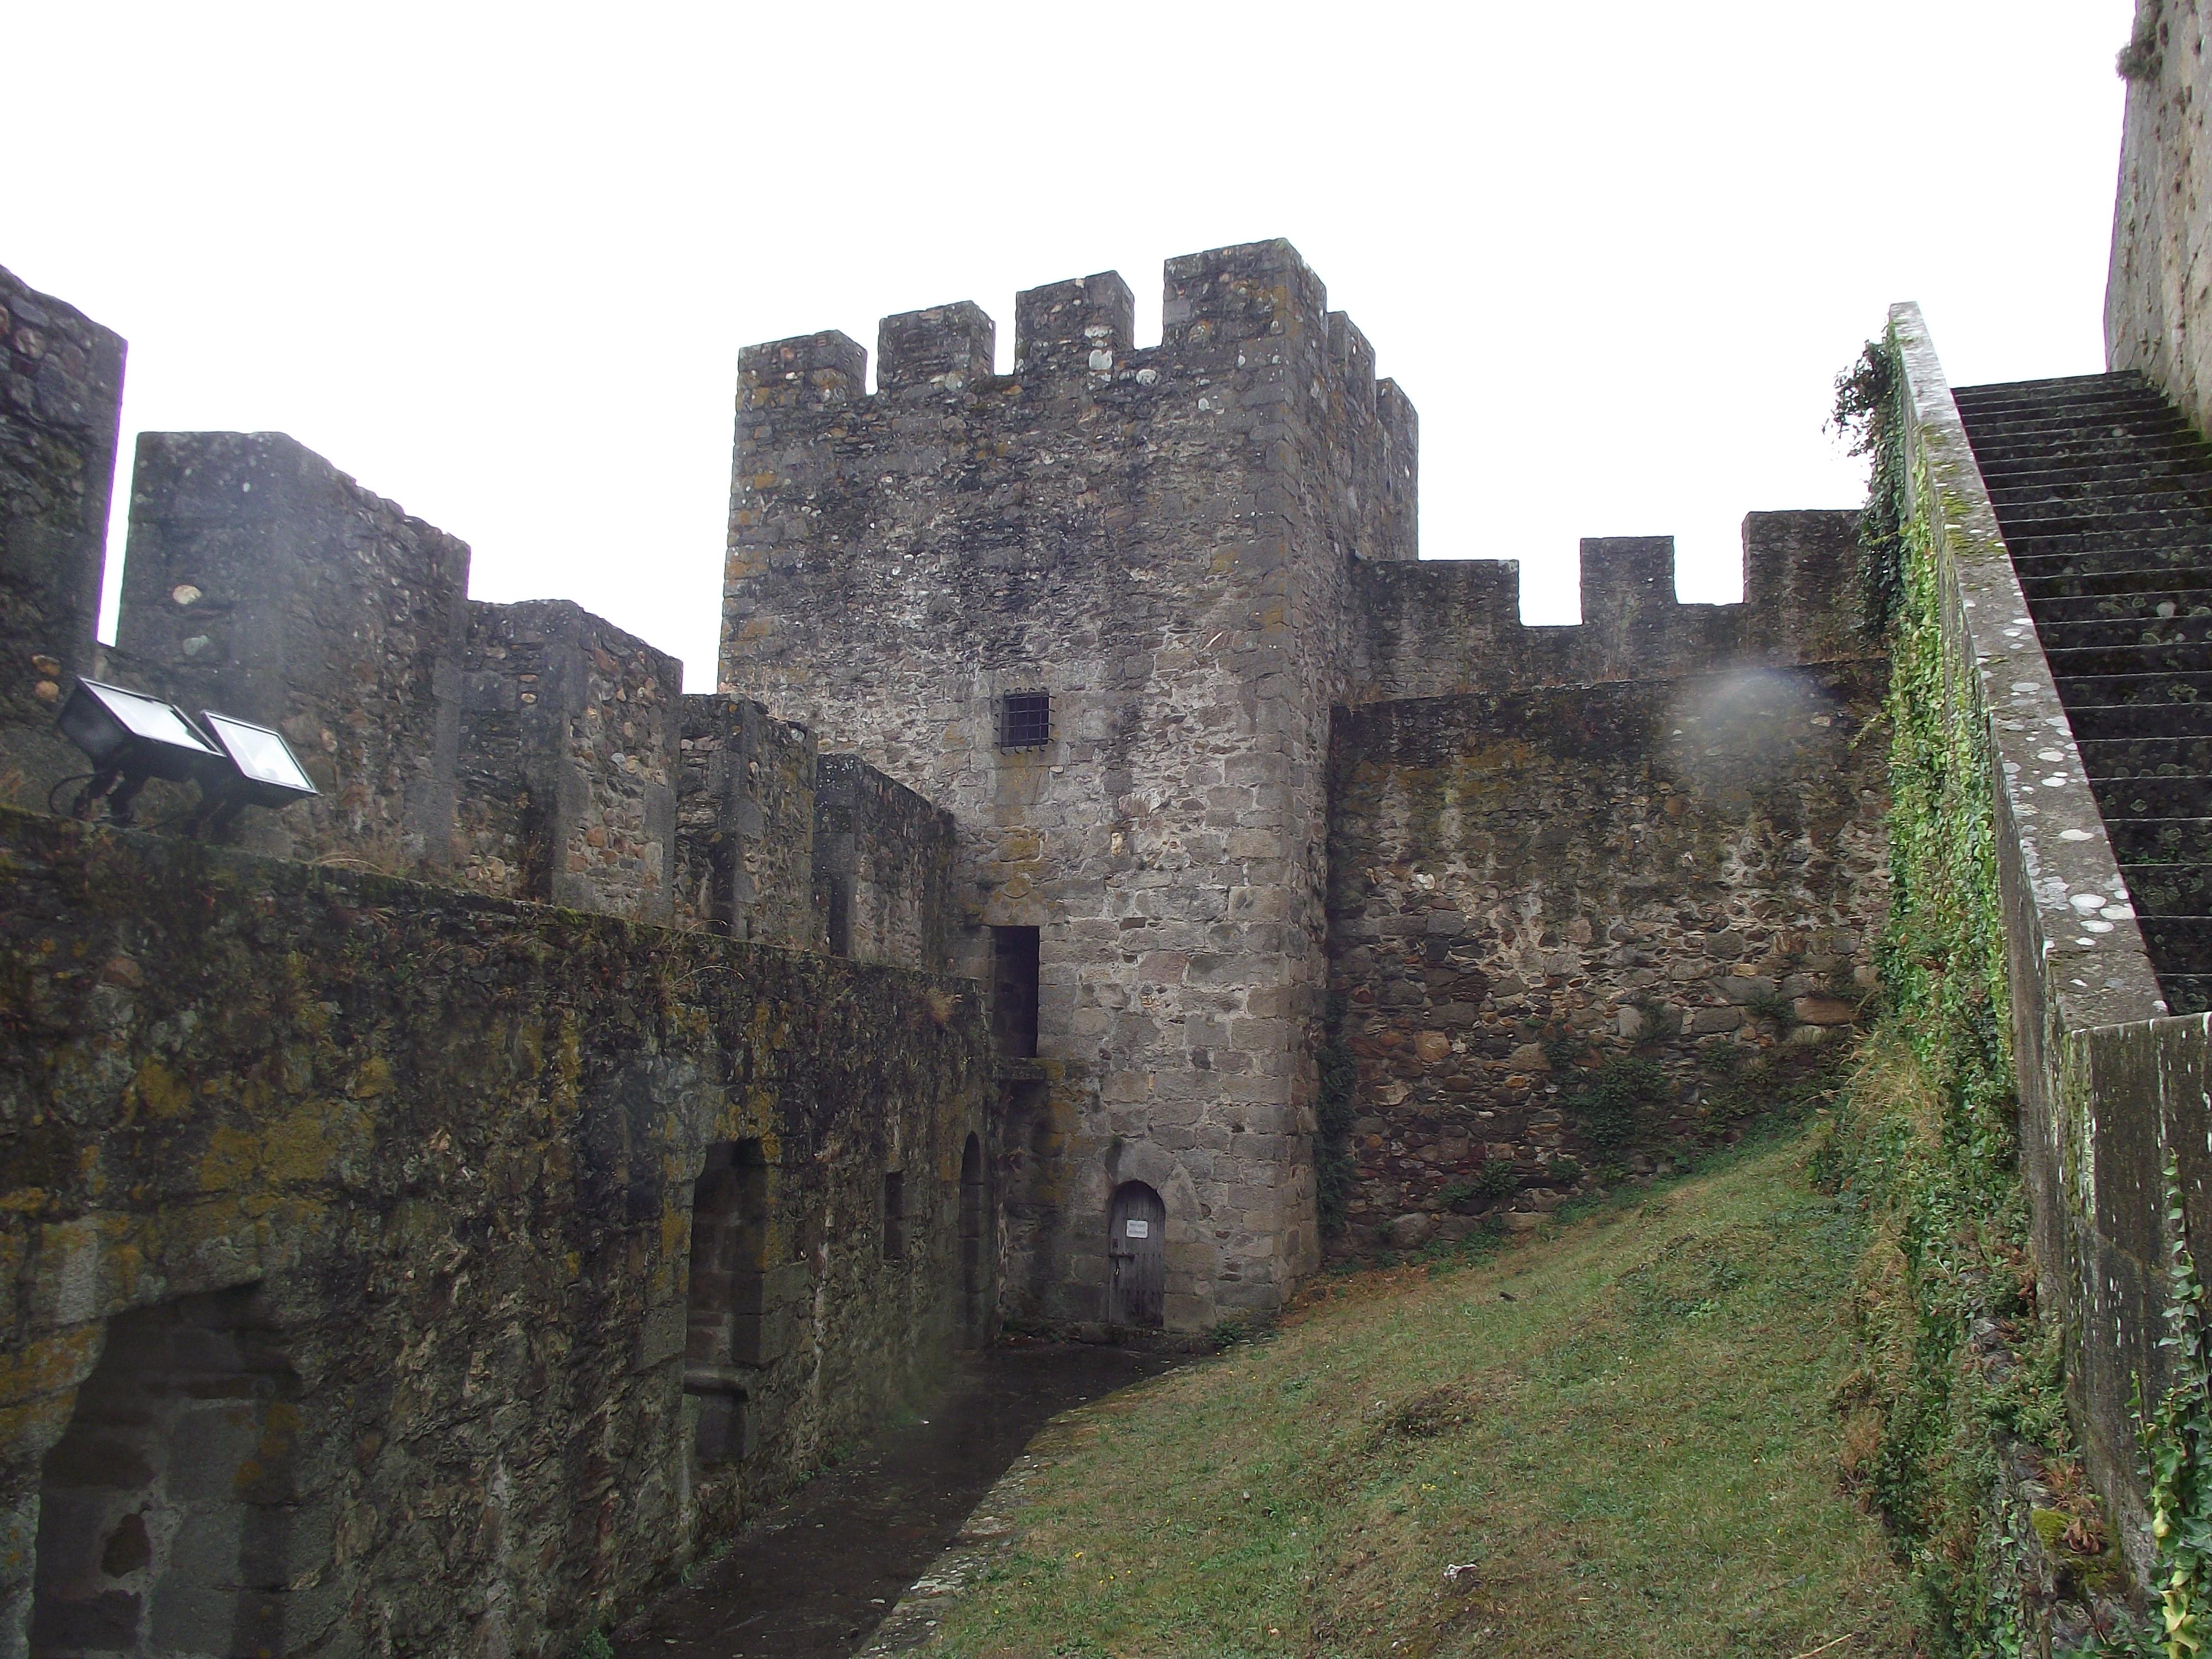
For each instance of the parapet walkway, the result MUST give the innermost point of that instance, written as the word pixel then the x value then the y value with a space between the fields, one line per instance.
pixel 2104 495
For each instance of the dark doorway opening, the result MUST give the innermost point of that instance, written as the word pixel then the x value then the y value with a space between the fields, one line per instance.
pixel 729 1247
pixel 1136 1257
pixel 168 1519
pixel 1014 953
pixel 973 1212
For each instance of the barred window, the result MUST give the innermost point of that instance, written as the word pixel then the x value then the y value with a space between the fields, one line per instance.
pixel 1025 720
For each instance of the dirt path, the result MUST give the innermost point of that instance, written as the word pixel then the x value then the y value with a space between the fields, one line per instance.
pixel 813 1576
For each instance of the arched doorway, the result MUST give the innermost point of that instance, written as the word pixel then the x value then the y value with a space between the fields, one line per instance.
pixel 1136 1256
pixel 973 1319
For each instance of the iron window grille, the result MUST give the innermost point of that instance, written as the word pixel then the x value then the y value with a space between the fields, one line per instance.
pixel 1025 719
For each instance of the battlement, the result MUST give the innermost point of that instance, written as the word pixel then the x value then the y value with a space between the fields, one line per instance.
pixel 1047 465
pixel 1217 308
pixel 1444 627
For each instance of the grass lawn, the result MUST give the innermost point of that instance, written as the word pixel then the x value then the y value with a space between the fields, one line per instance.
pixel 1620 1435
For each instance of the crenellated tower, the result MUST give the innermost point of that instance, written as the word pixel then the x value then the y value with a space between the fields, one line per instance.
pixel 1158 544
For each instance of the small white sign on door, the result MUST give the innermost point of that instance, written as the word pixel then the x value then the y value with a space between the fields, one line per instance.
pixel 1139 1229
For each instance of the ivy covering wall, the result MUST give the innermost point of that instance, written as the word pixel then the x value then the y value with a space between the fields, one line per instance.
pixel 1955 1425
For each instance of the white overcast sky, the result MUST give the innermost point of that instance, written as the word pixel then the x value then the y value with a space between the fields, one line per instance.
pixel 497 262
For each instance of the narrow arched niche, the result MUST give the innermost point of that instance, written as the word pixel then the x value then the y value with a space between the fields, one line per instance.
pixel 169 1521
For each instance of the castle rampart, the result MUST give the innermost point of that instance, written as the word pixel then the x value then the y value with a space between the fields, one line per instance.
pixel 554 1242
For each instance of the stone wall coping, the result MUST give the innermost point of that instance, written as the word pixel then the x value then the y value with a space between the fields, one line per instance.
pixel 2052 841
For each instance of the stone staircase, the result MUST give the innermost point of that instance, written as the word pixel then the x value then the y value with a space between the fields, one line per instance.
pixel 2105 497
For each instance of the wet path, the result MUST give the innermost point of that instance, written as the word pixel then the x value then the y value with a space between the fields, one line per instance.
pixel 812 1577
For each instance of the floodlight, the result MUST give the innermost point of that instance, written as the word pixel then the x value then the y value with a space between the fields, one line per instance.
pixel 130 737
pixel 127 731
pixel 267 773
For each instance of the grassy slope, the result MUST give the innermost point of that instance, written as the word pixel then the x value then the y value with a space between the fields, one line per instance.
pixel 1636 1450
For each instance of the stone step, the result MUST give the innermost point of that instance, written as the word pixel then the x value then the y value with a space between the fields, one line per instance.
pixel 2145 608
pixel 2181 944
pixel 2093 560
pixel 2111 661
pixel 2160 690
pixel 2170 889
pixel 2161 841
pixel 2072 639
pixel 2101 487
pixel 2188 511
pixel 2186 993
pixel 2173 797
pixel 2071 392
pixel 1997 413
pixel 2072 450
pixel 2092 721
pixel 2146 757
pixel 2091 585
pixel 2051 386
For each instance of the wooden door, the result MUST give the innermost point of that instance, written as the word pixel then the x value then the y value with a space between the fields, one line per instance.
pixel 1136 1256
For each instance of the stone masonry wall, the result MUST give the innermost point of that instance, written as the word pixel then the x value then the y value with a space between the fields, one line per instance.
pixel 1162 540
pixel 883 867
pixel 58 421
pixel 2158 291
pixel 1523 888
pixel 439 1152
pixel 261 581
pixel 569 749
pixel 744 834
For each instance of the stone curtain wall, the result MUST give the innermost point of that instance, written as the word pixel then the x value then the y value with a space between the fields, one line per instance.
pixel 1446 626
pixel 2158 293
pixel 452 1143
pixel 1523 888
pixel 58 430
pixel 1162 540
pixel 570 746
pixel 261 581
